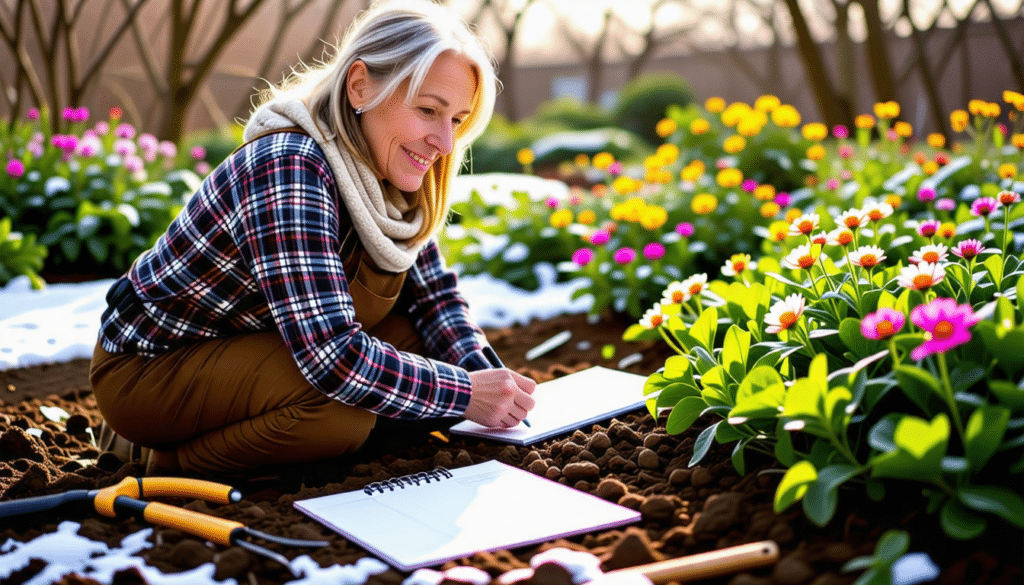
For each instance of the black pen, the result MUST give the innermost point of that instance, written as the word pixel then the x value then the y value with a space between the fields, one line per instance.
pixel 527 423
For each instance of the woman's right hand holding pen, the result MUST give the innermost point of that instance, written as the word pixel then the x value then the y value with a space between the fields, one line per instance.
pixel 500 398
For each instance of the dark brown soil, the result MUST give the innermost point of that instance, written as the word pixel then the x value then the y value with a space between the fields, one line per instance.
pixel 630 460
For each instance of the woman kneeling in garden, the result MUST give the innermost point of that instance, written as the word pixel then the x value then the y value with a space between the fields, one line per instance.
pixel 298 307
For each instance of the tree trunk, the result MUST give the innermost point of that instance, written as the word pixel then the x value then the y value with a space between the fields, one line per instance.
pixel 816 73
pixel 878 53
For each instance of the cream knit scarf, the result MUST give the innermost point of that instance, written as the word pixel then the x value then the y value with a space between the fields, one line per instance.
pixel 386 226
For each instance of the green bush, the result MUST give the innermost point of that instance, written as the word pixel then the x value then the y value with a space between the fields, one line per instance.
pixel 19 255
pixel 570 114
pixel 644 101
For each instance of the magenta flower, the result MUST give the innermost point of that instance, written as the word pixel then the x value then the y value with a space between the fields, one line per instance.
pixel 148 142
pixel 600 237
pixel 168 149
pixel 615 168
pixel 133 163
pixel 926 194
pixel 124 146
pixel 15 168
pixel 783 199
pixel 69 114
pixel 749 185
pixel 882 324
pixel 625 255
pixel 968 249
pixel 945 204
pixel 983 206
pixel 32 114
pixel 124 130
pixel 89 146
pixel 945 326
pixel 832 184
pixel 654 251
pixel 199 153
pixel 203 168
pixel 928 227
pixel 583 256
pixel 845 151
pixel 102 127
pixel 684 229
pixel 840 131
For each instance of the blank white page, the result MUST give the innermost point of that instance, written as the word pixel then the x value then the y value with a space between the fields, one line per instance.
pixel 482 507
pixel 569 403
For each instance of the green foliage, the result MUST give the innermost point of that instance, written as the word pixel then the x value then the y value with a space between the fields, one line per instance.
pixel 19 255
pixel 644 101
pixel 878 567
pixel 570 114
pixel 94 199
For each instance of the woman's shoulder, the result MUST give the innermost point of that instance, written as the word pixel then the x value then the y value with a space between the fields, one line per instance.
pixel 285 142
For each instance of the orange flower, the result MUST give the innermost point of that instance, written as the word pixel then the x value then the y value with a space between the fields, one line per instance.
pixel 864 121
pixel 770 209
pixel 959 119
pixel 1018 140
pixel 903 129
pixel 736 111
pixel 947 230
pixel 778 230
pixel 666 127
pixel 767 103
pixel 764 192
pixel 728 178
pixel 587 217
pixel 816 152
pixel 930 168
pixel 734 144
pixel 714 105
pixel 704 203
pixel 699 126
pixel 887 110
pixel 936 140
pixel 1007 171
pixel 603 160
pixel 976 107
pixel 786 116
pixel 815 131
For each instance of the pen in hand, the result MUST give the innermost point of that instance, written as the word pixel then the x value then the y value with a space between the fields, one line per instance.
pixel 527 422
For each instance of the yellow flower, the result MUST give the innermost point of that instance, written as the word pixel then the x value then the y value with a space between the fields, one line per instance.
pixel 692 172
pixel 714 105
pixel 587 217
pixel 959 119
pixel 976 107
pixel 699 126
pixel 903 129
pixel 752 124
pixel 779 230
pixel 864 121
pixel 936 140
pixel 625 185
pixel 668 153
pixel 652 162
pixel 1013 98
pixel 734 144
pixel 816 152
pixel 1007 171
pixel 729 178
pixel 764 192
pixel 786 116
pixel 734 113
pixel 561 218
pixel 992 110
pixel 603 160
pixel 791 215
pixel 525 156
pixel 1018 140
pixel 657 176
pixel 653 217
pixel 887 110
pixel 815 131
pixel 930 168
pixel 665 127
pixel 704 203
pixel 947 230
pixel 582 160
pixel 767 103
pixel 894 200
pixel 770 209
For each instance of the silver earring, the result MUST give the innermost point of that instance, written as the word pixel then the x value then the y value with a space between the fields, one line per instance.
pixel 359 111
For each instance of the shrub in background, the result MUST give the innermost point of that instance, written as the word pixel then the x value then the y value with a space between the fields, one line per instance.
pixel 644 101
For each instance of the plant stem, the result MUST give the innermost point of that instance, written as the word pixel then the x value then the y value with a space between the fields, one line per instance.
pixel 948 387
pixel 671 341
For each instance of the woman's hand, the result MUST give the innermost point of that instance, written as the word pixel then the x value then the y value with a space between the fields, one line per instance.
pixel 501 398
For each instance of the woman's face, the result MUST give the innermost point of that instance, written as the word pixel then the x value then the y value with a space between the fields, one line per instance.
pixel 406 138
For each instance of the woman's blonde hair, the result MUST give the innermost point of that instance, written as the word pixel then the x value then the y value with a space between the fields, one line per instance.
pixel 399 40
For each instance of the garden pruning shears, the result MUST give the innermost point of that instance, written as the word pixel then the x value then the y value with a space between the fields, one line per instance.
pixel 126 495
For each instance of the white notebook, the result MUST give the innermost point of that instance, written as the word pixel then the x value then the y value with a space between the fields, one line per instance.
pixel 426 519
pixel 569 403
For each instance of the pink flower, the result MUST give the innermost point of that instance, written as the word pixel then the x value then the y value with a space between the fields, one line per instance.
pixel 882 324
pixel 133 163
pixel 583 256
pixel 983 206
pixel 684 229
pixel 749 185
pixel 1008 198
pixel 168 149
pixel 968 249
pixel 198 153
pixel 945 204
pixel 102 127
pixel 89 146
pixel 69 114
pixel 783 199
pixel 928 227
pixel 615 168
pixel 124 146
pixel 845 151
pixel 203 168
pixel 148 142
pixel 624 255
pixel 600 237
pixel 832 184
pixel 15 168
pixel 124 130
pixel 32 114
pixel 846 174
pixel 654 251
pixel 945 326
pixel 926 194
pixel 840 131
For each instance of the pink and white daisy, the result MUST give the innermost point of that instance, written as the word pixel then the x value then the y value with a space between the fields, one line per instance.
pixel 968 249
pixel 928 227
pixel 983 206
pixel 804 225
pixel 882 324
pixel 867 256
pixel 933 253
pixel 820 238
pixel 784 313
pixel 1008 198
pixel 801 258
pixel 921 276
pixel 945 326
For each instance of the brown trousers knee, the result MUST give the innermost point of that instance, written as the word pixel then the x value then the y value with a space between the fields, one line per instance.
pixel 233 404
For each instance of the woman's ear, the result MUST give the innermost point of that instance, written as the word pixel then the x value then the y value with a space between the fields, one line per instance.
pixel 358 84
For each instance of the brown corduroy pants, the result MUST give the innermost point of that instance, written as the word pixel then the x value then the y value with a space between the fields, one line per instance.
pixel 232 404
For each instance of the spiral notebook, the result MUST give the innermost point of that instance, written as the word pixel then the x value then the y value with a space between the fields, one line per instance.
pixel 428 518
pixel 569 403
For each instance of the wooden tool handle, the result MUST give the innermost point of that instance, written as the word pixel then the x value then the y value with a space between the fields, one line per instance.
pixel 710 564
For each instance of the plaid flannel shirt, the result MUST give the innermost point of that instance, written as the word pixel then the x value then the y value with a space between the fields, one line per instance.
pixel 257 248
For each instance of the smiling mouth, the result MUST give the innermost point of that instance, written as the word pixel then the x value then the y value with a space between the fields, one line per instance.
pixel 419 161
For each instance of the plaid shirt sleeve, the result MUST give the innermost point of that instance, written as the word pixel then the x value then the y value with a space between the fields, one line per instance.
pixel 287 232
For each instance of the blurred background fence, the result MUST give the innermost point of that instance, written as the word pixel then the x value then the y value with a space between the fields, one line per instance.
pixel 179 66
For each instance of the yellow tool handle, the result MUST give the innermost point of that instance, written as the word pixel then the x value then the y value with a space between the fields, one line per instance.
pixel 163 486
pixel 205 526
pixel 710 564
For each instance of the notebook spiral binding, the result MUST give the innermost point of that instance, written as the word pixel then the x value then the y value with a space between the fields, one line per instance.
pixel 437 474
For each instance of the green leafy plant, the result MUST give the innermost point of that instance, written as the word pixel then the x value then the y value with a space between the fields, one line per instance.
pixel 19 255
